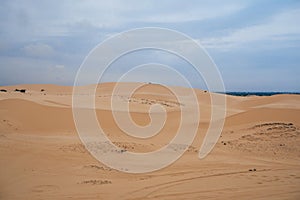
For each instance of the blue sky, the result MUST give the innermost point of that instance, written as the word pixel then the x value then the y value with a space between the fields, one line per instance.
pixel 255 44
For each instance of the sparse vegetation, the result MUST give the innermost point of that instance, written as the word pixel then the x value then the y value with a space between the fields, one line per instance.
pixel 20 90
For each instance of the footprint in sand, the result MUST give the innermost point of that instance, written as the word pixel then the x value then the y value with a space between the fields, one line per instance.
pixel 45 188
pixel 96 182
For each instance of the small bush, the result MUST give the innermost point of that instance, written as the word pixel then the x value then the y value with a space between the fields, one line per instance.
pixel 20 90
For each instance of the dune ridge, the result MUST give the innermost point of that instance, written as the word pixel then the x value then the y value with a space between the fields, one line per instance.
pixel 42 157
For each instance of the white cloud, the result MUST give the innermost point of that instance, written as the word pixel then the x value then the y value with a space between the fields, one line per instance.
pixel 197 13
pixel 284 26
pixel 59 66
pixel 64 31
pixel 55 18
pixel 38 50
pixel 21 70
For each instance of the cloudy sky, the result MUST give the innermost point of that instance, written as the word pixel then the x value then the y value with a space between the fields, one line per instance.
pixel 254 43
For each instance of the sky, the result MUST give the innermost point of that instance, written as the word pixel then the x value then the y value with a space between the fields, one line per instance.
pixel 254 43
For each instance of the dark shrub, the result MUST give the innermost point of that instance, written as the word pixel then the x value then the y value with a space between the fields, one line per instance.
pixel 21 90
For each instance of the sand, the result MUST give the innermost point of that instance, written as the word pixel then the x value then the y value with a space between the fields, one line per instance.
pixel 42 157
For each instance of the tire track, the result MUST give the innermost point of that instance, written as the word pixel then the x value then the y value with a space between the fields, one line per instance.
pixel 177 182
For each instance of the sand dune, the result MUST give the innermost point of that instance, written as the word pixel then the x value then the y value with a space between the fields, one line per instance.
pixel 42 157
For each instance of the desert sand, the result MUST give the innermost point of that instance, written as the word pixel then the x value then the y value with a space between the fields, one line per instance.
pixel 42 157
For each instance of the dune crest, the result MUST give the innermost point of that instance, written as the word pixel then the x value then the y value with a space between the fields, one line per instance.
pixel 43 157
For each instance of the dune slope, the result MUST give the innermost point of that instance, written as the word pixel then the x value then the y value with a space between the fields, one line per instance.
pixel 42 157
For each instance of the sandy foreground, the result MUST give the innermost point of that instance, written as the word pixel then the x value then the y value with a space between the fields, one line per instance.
pixel 42 157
